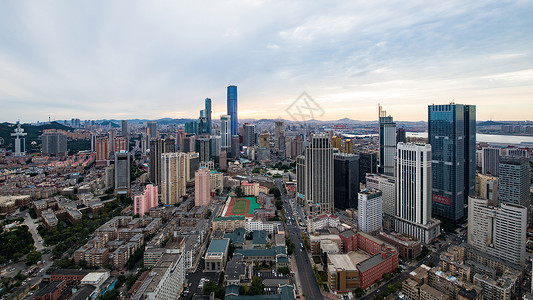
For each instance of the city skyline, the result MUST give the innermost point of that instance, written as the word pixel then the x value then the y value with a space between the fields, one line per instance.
pixel 148 60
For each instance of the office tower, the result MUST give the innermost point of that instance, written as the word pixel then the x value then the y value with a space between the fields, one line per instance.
pixel 124 128
pixel 249 135
pixel 94 136
pixel 264 140
pixel 19 141
pixel 346 180
pixel 401 136
pixel 514 180
pixel 169 145
pixel 192 164
pixel 300 179
pixel 122 172
pixel 479 159
pixel 151 130
pixel 370 211
pixel 297 146
pixel 336 142
pixel 54 142
pixel 145 201
pixel 288 146
pixel 413 192
pixel 491 161
pixel 109 177
pixel 348 146
pixel 235 147
pixel 367 164
pixel 498 231
pixel 517 152
pixel 202 188
pixel 387 143
pixel 202 148
pixel 214 147
pixel 223 160
pixel 111 140
pixel 225 132
pixel 319 175
pixel 208 115
pixel 191 127
pixel 452 135
pixel 232 109
pixel 387 186
pixel 188 143
pixel 102 150
pixel 156 149
pixel 202 123
pixel 487 188
pixel 279 134
pixel 173 177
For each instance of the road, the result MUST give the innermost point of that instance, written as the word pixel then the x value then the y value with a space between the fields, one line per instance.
pixel 309 285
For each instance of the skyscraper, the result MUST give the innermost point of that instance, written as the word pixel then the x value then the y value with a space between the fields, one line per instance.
pixel 156 149
pixel 122 172
pixel 151 130
pixel 264 140
pixel 346 180
pixel 235 147
pixel 336 142
pixel 202 148
pixel 54 142
pixel 370 213
pixel 401 136
pixel 144 202
pixel 413 192
pixel 319 175
pixel 452 135
pixel 19 141
pixel 125 134
pixel 514 180
pixel 232 109
pixel 173 176
pixel 202 189
pixel 491 161
pixel 387 186
pixel 387 143
pixel 348 146
pixel 225 133
pixel 249 135
pixel 498 231
pixel 279 135
pixel 208 115
pixel 214 147
pixel 300 179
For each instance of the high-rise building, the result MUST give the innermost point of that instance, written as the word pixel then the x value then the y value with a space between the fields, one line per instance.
pixel 120 144
pixel 300 179
pixel 202 187
pixel 487 188
pixel 192 164
pixel 173 177
pixel 514 180
pixel 214 147
pixel 19 141
pixel 208 115
pixel 346 180
pixel 223 160
pixel 279 134
pixel 264 140
pixel 249 135
pixel 151 130
pixel 452 135
pixel 125 134
pixel 319 175
pixel 232 109
pixel 387 186
pixel 401 136
pixel 158 147
pixel 102 150
pixel 498 231
pixel 235 147
pixel 348 146
pixel 202 148
pixel 122 172
pixel 191 127
pixel 413 192
pixel 491 161
pixel 54 142
pixel 387 143
pixel 225 133
pixel 367 164
pixel 370 211
pixel 143 202
pixel 336 142
pixel 111 139
pixel 297 146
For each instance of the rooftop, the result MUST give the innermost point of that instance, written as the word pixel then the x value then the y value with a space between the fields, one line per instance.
pixel 218 246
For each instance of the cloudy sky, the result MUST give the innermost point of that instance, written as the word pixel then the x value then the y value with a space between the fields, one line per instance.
pixel 155 59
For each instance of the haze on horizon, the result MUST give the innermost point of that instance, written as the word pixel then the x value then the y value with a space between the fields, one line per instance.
pixel 147 59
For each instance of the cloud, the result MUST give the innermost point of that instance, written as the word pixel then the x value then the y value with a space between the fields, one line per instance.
pixel 138 59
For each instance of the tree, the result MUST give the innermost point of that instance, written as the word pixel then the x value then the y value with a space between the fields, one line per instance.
pixel 208 214
pixel 238 192
pixel 257 288
pixel 110 295
pixel 33 257
pixel 284 270
pixel 212 287
pixel 275 191
pixel 279 204
pixel 359 292
pixel 83 264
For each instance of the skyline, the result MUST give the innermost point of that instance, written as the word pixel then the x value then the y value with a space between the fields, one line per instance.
pixel 108 60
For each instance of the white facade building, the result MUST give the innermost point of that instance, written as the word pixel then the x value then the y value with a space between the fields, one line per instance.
pixel 370 211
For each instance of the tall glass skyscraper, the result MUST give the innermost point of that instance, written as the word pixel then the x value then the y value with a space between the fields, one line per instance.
pixel 208 114
pixel 452 135
pixel 232 109
pixel 387 143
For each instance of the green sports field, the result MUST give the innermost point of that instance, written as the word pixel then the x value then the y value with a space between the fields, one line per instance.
pixel 242 206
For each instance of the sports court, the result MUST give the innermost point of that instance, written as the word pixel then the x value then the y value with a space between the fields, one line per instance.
pixel 244 206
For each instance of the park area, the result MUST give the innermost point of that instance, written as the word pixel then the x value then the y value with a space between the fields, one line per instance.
pixel 243 206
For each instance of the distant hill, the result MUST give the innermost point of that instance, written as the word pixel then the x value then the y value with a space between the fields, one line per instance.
pixel 33 131
pixel 489 123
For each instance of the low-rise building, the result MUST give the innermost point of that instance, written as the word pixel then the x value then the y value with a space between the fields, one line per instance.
pixel 216 255
pixel 408 247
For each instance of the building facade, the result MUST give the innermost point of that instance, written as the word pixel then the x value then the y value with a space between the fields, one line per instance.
pixel 202 188
pixel 514 180
pixel 387 143
pixel 173 177
pixel 370 210
pixel 232 109
pixel 319 175
pixel 346 180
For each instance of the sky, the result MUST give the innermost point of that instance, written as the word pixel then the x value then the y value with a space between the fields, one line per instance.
pixel 161 59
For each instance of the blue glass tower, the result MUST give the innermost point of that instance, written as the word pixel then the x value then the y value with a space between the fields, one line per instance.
pixel 208 114
pixel 232 109
pixel 452 135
